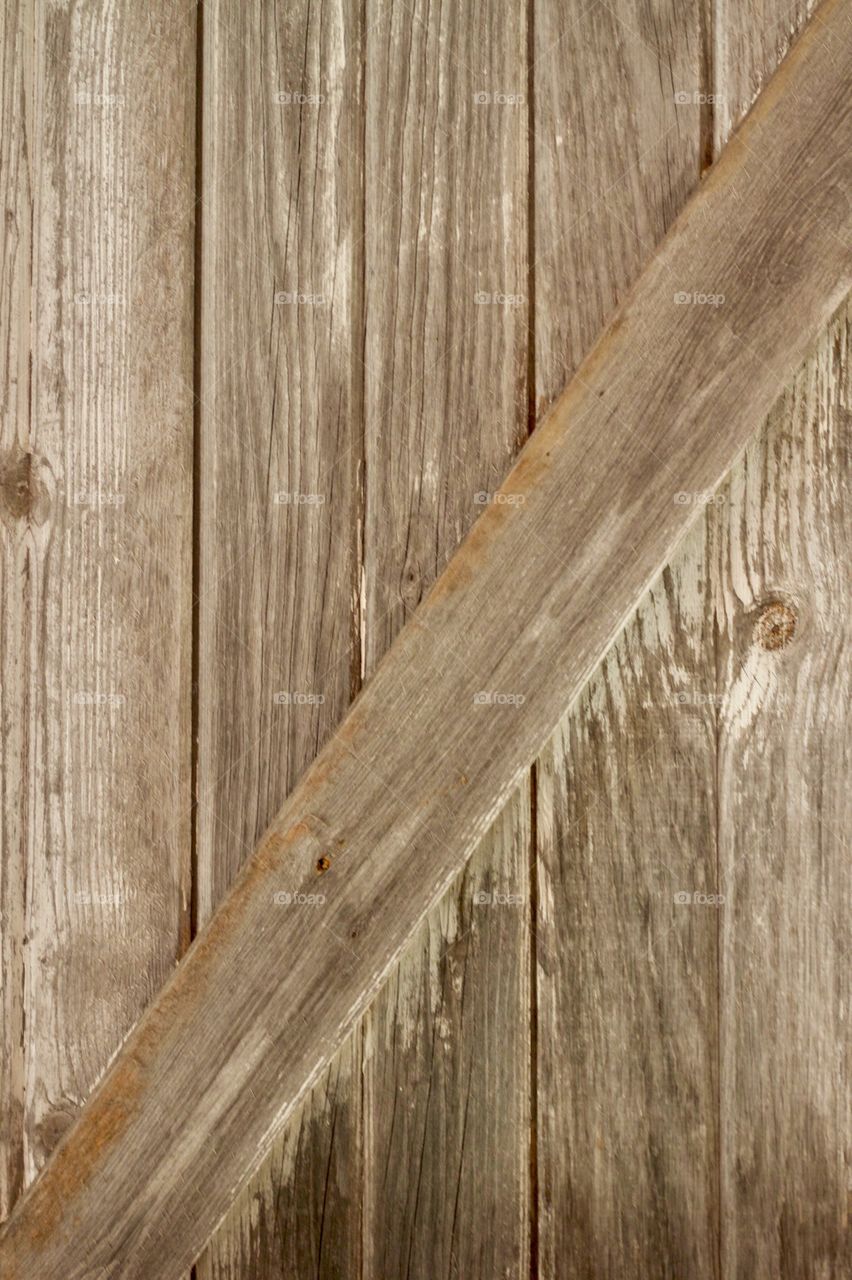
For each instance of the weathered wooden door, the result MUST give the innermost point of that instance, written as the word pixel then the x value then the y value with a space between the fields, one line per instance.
pixel 285 288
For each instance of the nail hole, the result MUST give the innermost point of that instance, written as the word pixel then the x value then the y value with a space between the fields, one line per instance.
pixel 775 626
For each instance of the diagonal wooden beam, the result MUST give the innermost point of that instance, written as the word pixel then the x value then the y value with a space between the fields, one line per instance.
pixel 394 804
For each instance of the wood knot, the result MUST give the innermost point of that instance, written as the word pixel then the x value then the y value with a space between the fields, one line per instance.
pixel 323 864
pixel 776 625
pixel 24 495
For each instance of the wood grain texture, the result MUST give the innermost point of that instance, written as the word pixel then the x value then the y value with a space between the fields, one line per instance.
pixel 404 791
pixel 446 1066
pixel 96 498
pixel 627 1046
pixel 281 443
pixel 17 550
pixel 446 1074
pixel 297 1215
pixel 780 578
pixel 782 582
pixel 627 971
pixel 616 159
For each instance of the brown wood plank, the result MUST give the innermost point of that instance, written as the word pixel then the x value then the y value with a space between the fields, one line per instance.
pixel 626 981
pixel 781 544
pixel 627 970
pixel 446 1066
pixel 17 551
pixel 281 442
pixel 784 546
pixel 447 1076
pixel 96 498
pixel 400 797
pixel 296 1215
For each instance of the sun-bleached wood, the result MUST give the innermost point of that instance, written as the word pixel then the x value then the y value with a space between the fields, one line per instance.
pixel 280 427
pixel 446 1043
pixel 385 818
pixel 626 979
pixel 96 325
pixel 780 547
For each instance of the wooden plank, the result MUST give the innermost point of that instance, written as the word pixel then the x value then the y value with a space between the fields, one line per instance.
pixel 295 1212
pixel 399 798
pixel 447 1054
pixel 750 39
pixel 96 496
pixel 627 969
pixel 782 580
pixel 281 447
pixel 626 981
pixel 16 550
pixel 780 577
pixel 447 1074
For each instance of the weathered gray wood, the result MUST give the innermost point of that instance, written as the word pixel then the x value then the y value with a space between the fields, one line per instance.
pixel 281 439
pixel 17 550
pixel 780 577
pixel 627 972
pixel 626 981
pixel 447 1055
pixel 399 798
pixel 783 551
pixel 95 521
pixel 447 1078
pixel 296 1216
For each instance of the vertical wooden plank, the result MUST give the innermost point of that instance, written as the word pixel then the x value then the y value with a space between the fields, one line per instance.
pixel 750 38
pixel 447 1079
pixel 281 446
pixel 447 1054
pixel 626 969
pixel 782 545
pixel 627 940
pixel 20 536
pixel 96 468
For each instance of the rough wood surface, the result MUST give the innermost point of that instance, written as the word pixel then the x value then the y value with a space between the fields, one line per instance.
pixel 783 547
pixel 281 441
pixel 626 977
pixel 447 1078
pixel 95 522
pixel 446 1065
pixel 779 575
pixel 411 781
